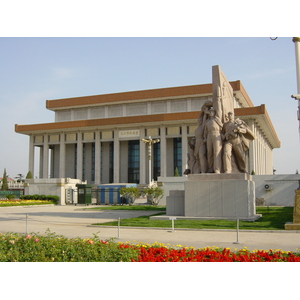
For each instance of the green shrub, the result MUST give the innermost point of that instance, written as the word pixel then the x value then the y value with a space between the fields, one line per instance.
pixel 40 197
pixel 154 194
pixel 29 175
pixel 130 193
pixel 54 248
pixel 10 196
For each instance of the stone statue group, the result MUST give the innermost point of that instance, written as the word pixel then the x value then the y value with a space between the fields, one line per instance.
pixel 218 146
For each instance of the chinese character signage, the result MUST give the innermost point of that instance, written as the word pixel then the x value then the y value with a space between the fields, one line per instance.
pixel 129 133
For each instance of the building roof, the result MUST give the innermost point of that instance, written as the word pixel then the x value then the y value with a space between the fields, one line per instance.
pixel 145 95
pixel 261 116
pixel 248 111
pixel 258 113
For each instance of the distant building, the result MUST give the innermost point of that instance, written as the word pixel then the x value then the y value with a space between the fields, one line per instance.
pixel 98 138
pixel 12 183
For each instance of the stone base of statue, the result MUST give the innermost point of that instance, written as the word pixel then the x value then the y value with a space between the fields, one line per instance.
pixel 214 196
pixel 296 214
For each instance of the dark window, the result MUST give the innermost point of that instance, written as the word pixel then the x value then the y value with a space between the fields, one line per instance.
pixel 93 162
pixel 133 161
pixel 83 161
pixel 156 160
pixel 177 155
pixel 75 164
pixel 111 162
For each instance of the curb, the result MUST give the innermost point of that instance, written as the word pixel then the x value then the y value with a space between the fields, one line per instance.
pixel 196 229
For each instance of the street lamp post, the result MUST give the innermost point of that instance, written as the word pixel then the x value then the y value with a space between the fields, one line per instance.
pixel 150 142
pixel 296 40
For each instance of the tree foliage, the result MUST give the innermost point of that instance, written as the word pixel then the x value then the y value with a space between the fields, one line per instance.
pixel 153 193
pixel 29 175
pixel 4 182
pixel 130 193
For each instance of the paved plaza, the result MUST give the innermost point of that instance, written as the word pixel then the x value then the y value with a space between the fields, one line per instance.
pixel 72 221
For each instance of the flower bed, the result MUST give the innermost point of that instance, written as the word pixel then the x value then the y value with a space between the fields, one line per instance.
pixel 24 202
pixel 53 248
pixel 162 254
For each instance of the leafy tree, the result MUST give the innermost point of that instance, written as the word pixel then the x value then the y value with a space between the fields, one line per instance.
pixel 19 177
pixel 4 182
pixel 130 193
pixel 29 175
pixel 153 193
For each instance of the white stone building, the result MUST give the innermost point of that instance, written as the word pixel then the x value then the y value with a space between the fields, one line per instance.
pixel 98 138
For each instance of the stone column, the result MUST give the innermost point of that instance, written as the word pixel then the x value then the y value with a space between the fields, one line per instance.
pixel 143 161
pixel 251 149
pixel 79 156
pixel 62 156
pixel 184 146
pixel 116 156
pixel 97 158
pixel 31 155
pixel 163 152
pixel 41 162
pixel 45 157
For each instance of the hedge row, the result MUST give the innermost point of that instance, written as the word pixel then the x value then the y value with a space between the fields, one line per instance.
pixel 40 197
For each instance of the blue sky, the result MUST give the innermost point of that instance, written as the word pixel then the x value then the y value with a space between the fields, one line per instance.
pixel 37 69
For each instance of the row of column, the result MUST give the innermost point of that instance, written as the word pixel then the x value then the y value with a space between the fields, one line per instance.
pixel 44 155
pixel 260 153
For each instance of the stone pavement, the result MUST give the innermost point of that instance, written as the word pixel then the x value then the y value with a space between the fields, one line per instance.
pixel 72 221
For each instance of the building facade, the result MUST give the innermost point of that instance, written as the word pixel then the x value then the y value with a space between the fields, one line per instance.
pixel 98 138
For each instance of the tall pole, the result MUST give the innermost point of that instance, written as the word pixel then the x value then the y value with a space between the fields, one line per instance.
pixel 149 160
pixel 296 41
pixel 150 142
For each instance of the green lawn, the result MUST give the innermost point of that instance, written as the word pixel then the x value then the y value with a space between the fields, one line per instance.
pixel 129 207
pixel 273 218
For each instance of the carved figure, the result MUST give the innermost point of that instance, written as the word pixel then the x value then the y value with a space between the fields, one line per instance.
pixel 212 136
pixel 192 159
pixel 220 140
pixel 237 136
pixel 200 145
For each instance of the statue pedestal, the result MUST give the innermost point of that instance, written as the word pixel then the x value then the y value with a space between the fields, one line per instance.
pixel 220 196
pixel 213 196
pixel 296 214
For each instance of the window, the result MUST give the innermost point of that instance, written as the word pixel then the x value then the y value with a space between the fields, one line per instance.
pixel 156 160
pixel 83 161
pixel 93 162
pixel 111 162
pixel 177 150
pixel 134 161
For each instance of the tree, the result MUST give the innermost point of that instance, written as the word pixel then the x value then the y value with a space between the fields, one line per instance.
pixel 153 193
pixel 130 193
pixel 4 182
pixel 29 175
pixel 176 173
pixel 19 178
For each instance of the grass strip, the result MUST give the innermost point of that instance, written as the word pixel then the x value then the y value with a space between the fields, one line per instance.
pixel 273 218
pixel 4 203
pixel 128 207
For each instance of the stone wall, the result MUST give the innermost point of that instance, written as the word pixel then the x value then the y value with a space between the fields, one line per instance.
pixel 281 190
pixel 51 186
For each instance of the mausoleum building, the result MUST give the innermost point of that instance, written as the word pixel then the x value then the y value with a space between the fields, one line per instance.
pixel 98 138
